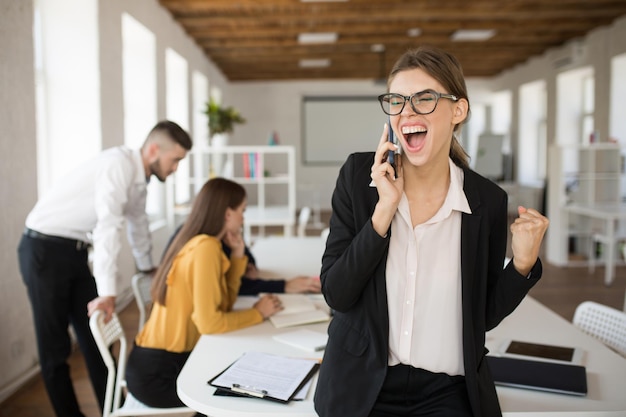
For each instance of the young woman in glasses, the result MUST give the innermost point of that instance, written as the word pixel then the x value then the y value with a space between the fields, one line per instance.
pixel 413 266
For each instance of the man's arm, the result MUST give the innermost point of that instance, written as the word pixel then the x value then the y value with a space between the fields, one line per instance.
pixel 111 195
pixel 138 228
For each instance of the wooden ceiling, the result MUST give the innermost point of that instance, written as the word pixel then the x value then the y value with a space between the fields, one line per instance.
pixel 253 40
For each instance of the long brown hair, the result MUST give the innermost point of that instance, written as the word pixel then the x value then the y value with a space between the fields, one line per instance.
pixel 207 217
pixel 447 70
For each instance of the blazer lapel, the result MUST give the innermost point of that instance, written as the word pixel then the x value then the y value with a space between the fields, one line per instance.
pixel 470 227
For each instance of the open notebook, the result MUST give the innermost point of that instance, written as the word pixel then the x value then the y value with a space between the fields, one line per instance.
pixel 298 309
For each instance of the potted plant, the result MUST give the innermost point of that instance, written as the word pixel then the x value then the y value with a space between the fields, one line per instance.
pixel 221 119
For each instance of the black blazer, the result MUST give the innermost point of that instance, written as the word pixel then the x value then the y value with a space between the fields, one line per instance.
pixel 353 283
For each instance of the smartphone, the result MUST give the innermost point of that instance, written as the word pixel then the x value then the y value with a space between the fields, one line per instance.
pixel 541 352
pixel 391 155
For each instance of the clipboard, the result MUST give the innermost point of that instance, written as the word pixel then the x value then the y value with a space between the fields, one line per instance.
pixel 265 376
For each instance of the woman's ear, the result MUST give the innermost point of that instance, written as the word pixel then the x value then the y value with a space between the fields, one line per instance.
pixel 460 111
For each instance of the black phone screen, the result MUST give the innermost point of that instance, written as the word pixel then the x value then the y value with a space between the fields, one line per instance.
pixel 542 351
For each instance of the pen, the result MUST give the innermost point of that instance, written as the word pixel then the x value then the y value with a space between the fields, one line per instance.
pixel 246 389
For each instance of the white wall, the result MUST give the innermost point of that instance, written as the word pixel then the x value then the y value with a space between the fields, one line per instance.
pixel 266 106
pixel 18 183
pixel 276 106
pixel 18 152
pixel 596 51
pixel 269 106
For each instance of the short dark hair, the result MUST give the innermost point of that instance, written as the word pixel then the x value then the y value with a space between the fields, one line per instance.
pixel 175 132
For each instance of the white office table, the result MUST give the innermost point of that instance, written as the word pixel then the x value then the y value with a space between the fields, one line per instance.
pixel 606 371
pixel 213 353
pixel 285 257
pixel 610 214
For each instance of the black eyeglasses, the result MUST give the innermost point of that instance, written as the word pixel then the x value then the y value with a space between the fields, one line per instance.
pixel 423 102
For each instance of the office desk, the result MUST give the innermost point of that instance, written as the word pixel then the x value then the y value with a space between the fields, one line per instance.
pixel 214 353
pixel 610 214
pixel 285 257
pixel 606 371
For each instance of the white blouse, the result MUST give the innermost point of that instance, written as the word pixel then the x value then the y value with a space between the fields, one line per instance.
pixel 424 285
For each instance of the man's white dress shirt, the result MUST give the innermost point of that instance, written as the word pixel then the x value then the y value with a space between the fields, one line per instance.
pixel 91 203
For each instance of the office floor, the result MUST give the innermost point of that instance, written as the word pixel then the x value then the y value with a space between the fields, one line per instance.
pixel 561 289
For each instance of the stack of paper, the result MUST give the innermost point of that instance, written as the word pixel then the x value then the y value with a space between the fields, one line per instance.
pixel 266 376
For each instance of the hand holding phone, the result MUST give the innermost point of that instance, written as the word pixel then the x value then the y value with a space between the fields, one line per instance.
pixel 391 155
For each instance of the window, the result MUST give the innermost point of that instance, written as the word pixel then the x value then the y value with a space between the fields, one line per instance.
pixel 617 127
pixel 67 86
pixel 140 98
pixel 575 106
pixel 574 111
pixel 177 110
pixel 587 123
pixel 532 136
pixel 199 120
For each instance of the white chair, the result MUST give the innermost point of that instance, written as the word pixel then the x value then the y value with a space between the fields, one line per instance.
pixel 603 323
pixel 106 335
pixel 610 247
pixel 141 283
pixel 324 234
pixel 303 220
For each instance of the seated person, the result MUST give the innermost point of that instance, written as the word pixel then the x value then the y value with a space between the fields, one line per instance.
pixel 194 290
pixel 252 284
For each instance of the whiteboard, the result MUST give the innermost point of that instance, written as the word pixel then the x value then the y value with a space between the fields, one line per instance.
pixel 333 127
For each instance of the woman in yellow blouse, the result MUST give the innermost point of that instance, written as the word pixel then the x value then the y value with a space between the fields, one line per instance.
pixel 194 290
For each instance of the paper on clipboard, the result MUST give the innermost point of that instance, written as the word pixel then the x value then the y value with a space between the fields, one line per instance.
pixel 266 376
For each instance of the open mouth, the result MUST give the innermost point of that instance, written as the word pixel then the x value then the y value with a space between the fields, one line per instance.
pixel 414 135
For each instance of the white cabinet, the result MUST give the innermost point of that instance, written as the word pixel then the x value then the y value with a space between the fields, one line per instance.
pixel 267 173
pixel 583 176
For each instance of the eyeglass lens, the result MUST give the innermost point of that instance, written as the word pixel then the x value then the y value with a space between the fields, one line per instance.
pixel 422 103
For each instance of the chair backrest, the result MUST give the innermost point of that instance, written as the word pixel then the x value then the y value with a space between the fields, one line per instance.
pixel 141 283
pixel 604 323
pixel 303 220
pixel 105 335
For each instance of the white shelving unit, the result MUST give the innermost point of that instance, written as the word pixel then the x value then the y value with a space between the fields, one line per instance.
pixel 580 175
pixel 269 179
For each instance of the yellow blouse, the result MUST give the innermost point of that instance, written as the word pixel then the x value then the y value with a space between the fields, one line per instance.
pixel 202 287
